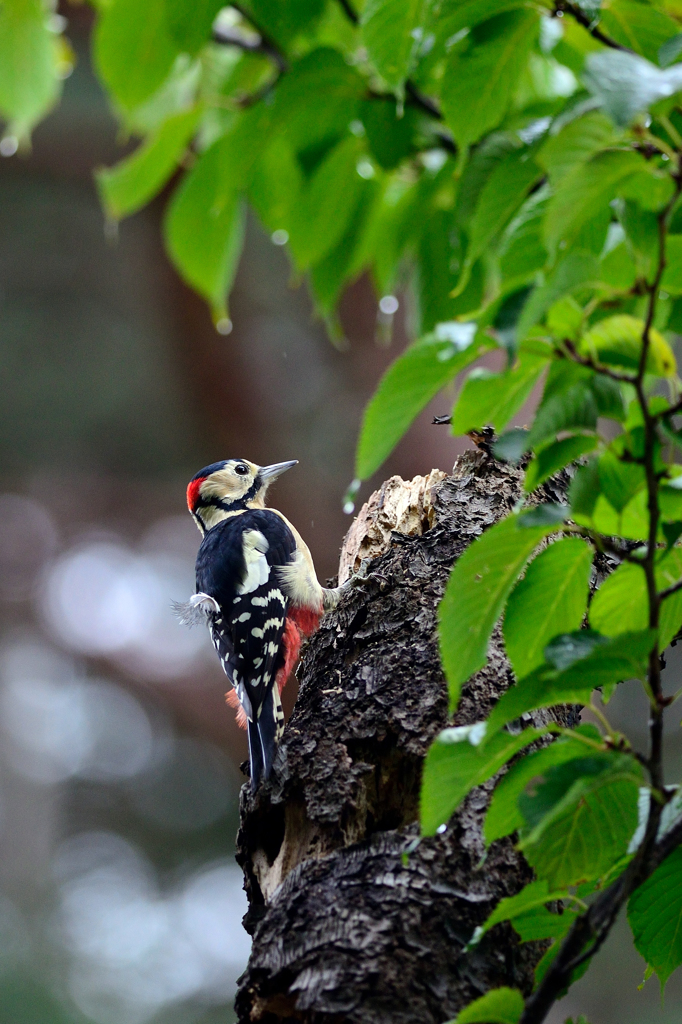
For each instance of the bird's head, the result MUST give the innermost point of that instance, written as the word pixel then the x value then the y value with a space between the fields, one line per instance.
pixel 230 486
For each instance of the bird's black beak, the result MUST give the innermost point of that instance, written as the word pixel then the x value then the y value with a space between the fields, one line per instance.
pixel 271 472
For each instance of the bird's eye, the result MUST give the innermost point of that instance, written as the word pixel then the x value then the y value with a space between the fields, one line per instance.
pixel 241 469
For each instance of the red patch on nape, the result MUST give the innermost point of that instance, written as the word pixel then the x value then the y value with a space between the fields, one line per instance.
pixel 307 619
pixel 193 493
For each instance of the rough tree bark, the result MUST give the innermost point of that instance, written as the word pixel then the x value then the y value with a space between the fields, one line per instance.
pixel 350 924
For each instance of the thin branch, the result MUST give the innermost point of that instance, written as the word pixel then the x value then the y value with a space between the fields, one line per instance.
pixel 566 7
pixel 418 99
pixel 588 361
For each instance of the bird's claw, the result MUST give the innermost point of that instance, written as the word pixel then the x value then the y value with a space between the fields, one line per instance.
pixel 361 576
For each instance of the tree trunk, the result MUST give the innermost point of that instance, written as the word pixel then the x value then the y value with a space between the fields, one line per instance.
pixel 352 920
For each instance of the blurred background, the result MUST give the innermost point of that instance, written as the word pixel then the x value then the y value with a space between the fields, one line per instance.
pixel 120 902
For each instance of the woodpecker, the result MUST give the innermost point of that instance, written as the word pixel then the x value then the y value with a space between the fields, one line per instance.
pixel 257 590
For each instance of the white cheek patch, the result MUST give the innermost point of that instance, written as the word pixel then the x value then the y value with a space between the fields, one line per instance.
pixel 255 547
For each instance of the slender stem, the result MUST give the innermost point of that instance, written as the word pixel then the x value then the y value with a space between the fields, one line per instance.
pixel 566 7
pixel 602 718
pixel 661 145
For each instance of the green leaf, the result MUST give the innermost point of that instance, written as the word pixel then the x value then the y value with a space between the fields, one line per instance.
pixel 481 163
pixel 638 26
pixel 554 457
pixel 617 342
pixel 190 23
pixel 439 257
pixel 613 662
pixel 455 15
pixel 478 85
pixel 134 51
pixel 621 603
pixel 550 599
pixel 390 138
pixel 408 385
pixel 388 32
pixel 275 185
pixel 544 792
pixel 499 1006
pixel 585 193
pixel 455 764
pixel 503 816
pixel 619 481
pixel 670 51
pixel 573 408
pixel 575 271
pixel 587 831
pixel 327 206
pixel 284 20
pixel 317 99
pixel 29 80
pixel 205 228
pixel 527 912
pixel 575 144
pixel 501 196
pixel 476 593
pixel 626 84
pixel 522 251
pixel 345 261
pixel 126 188
pixel 512 445
pixel 550 513
pixel 493 398
pixel 655 916
pixel 618 268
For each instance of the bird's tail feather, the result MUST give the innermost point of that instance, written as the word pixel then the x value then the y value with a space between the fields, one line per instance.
pixel 255 755
pixel 264 735
pixel 268 729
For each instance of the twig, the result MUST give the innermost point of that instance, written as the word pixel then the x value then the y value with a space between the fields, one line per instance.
pixel 605 371
pixel 420 100
pixel 566 7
